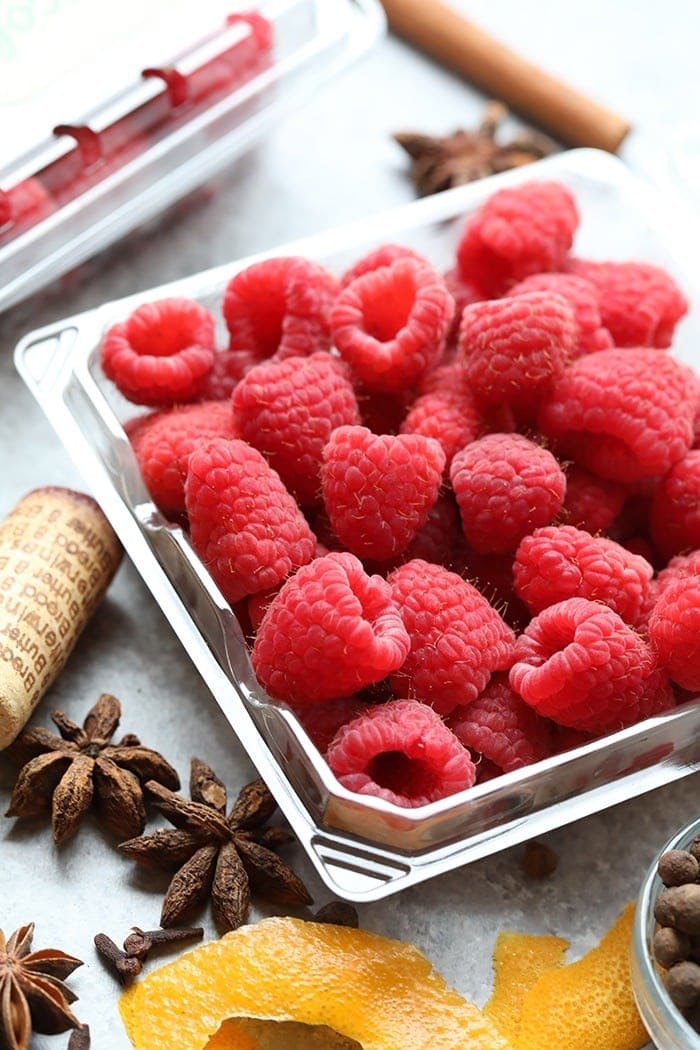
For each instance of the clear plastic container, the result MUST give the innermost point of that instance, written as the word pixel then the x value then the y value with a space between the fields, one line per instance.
pixel 664 1022
pixel 364 848
pixel 106 171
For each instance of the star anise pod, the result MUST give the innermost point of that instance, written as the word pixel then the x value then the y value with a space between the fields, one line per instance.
pixel 33 996
pixel 440 162
pixel 213 855
pixel 66 773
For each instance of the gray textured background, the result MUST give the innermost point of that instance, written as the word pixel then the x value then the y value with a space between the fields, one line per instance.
pixel 331 162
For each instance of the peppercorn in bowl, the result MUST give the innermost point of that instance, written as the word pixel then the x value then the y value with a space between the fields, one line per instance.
pixel 666 948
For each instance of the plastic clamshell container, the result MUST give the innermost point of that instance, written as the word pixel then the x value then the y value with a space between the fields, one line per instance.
pixel 664 1022
pixel 312 40
pixel 364 848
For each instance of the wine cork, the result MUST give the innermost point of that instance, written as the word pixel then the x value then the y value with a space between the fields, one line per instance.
pixel 58 554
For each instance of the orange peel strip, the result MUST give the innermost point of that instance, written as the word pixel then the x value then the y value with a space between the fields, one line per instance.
pixel 519 960
pixel 589 1003
pixel 382 993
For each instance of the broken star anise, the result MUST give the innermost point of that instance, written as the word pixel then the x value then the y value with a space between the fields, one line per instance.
pixel 67 772
pixel 213 855
pixel 440 162
pixel 33 996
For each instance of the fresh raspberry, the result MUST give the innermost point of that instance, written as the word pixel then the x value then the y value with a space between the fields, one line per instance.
pixel 492 575
pixel 506 486
pixel 674 630
pixel 401 752
pixel 513 349
pixel 679 568
pixel 640 304
pixel 322 721
pixel 258 604
pixel 696 422
pixel 501 727
pixel 624 416
pixel 331 630
pixel 457 639
pixel 390 325
pixel 579 664
pixel 591 503
pixel 288 410
pixel 163 441
pixel 244 524
pixel 279 308
pixel 162 353
pixel 382 413
pixel 384 255
pixel 445 379
pixel 581 297
pixel 228 369
pixel 451 418
pixel 517 232
pixel 25 204
pixel 378 488
pixel 562 562
pixel 675 509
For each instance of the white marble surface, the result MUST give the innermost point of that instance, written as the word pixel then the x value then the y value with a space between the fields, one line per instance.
pixel 331 162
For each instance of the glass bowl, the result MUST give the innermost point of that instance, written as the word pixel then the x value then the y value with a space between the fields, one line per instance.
pixel 664 1022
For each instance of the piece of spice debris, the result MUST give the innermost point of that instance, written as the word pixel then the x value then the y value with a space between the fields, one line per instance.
pixel 67 772
pixel 33 995
pixel 79 1038
pixel 222 857
pixel 338 913
pixel 539 860
pixel 127 963
pixel 440 162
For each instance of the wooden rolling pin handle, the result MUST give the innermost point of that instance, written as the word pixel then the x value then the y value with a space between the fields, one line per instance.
pixel 455 41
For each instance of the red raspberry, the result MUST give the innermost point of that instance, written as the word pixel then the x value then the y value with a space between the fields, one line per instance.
pixel 452 418
pixel 501 727
pixel 513 349
pixel 228 369
pixel 279 308
pixel 390 325
pixel 244 524
pixel 378 488
pixel 579 664
pixel 162 353
pixel 401 752
pixel 457 639
pixel 288 410
pixel 581 297
pixel 562 562
pixel 384 255
pixel 517 232
pixel 440 539
pixel 675 509
pixel 591 503
pixel 640 304
pixel 162 443
pixel 464 294
pixel 624 416
pixel 506 486
pixel 451 380
pixel 679 568
pixel 674 630
pixel 331 630
pixel 322 721
pixel 258 604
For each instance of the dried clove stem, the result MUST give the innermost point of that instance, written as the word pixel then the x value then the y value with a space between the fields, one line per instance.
pixel 126 967
pixel 139 943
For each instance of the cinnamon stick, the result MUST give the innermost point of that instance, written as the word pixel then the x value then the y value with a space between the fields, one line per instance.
pixel 457 42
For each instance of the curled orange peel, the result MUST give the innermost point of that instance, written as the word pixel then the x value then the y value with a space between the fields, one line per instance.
pixel 588 1003
pixel 383 994
pixel 519 960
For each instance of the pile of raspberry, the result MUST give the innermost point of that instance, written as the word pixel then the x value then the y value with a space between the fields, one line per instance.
pixel 457 515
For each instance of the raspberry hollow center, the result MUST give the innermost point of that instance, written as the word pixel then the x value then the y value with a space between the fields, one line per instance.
pixel 386 312
pixel 407 777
